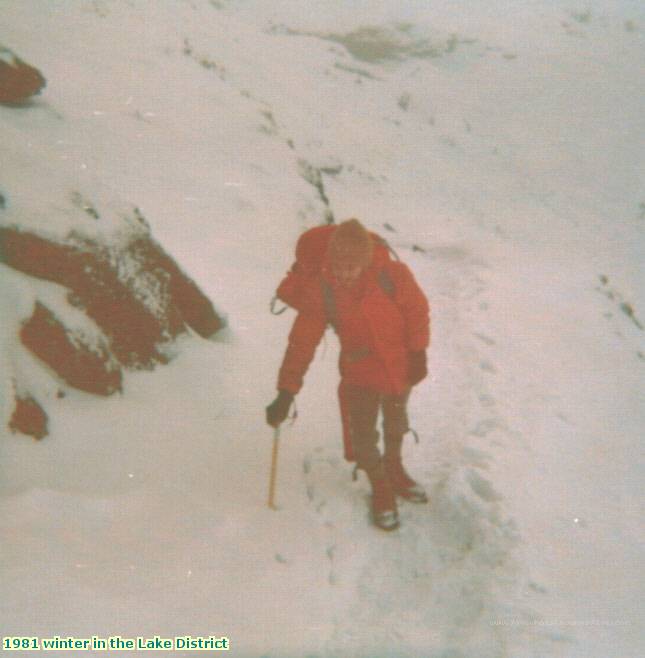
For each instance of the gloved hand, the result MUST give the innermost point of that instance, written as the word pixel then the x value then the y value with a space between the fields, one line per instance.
pixel 418 367
pixel 278 410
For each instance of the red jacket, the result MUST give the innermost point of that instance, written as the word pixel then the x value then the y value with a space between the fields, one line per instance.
pixel 377 331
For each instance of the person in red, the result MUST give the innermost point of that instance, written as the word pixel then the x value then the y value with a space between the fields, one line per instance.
pixel 382 319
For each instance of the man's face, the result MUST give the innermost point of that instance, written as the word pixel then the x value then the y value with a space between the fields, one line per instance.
pixel 347 273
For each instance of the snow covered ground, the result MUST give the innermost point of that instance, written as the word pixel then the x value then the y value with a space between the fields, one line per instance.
pixel 499 148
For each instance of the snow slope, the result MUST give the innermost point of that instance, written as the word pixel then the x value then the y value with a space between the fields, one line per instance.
pixel 499 147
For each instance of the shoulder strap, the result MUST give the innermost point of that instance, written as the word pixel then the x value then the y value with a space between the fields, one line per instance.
pixel 386 283
pixel 329 302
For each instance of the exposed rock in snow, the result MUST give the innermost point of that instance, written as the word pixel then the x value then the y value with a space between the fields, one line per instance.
pixel 29 418
pixel 18 80
pixel 134 295
pixel 83 366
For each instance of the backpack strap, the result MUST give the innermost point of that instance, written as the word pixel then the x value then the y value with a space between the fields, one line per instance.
pixel 329 302
pixel 386 283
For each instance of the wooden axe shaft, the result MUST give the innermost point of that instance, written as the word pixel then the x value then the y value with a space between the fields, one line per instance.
pixel 274 467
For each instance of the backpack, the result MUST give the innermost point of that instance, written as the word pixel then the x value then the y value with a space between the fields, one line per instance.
pixel 311 249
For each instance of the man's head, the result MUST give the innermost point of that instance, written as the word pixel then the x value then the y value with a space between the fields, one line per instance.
pixel 350 251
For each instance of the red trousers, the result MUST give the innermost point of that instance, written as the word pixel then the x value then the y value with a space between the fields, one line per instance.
pixel 359 410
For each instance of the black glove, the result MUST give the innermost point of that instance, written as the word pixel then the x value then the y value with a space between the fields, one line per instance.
pixel 418 367
pixel 278 410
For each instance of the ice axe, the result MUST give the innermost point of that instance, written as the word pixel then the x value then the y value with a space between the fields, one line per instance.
pixel 274 467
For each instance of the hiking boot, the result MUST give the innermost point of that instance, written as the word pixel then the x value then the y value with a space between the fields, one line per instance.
pixel 384 512
pixel 402 484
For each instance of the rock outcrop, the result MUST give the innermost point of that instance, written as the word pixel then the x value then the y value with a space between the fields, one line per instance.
pixel 28 417
pixel 19 81
pixel 133 295
pixel 74 359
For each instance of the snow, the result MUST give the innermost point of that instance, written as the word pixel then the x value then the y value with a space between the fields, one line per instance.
pixel 509 168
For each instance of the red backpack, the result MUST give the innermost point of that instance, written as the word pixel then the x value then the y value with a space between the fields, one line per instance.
pixel 311 249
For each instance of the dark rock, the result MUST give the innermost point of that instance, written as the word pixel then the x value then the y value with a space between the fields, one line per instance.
pixel 92 273
pixel 29 418
pixel 18 80
pixel 88 271
pixel 195 309
pixel 67 354
pixel 133 291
